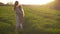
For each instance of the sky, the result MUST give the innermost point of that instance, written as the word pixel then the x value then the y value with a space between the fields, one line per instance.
pixel 28 1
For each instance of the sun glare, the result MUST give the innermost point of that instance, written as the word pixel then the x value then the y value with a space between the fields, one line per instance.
pixel 36 1
pixel 40 2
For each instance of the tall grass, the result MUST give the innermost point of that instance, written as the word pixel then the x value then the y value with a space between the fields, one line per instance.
pixel 38 20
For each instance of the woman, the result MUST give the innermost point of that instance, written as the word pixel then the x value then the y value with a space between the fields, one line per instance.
pixel 19 15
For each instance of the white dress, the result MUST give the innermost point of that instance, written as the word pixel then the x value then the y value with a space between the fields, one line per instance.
pixel 19 17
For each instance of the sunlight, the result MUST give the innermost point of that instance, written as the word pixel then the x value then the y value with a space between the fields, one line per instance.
pixel 40 2
pixel 35 1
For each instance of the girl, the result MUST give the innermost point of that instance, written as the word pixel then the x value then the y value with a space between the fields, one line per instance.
pixel 19 13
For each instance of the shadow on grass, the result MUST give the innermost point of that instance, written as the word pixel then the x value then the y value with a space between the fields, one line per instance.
pixel 5 20
pixel 7 28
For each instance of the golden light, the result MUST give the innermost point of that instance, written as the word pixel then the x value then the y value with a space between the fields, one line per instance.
pixel 36 1
pixel 40 2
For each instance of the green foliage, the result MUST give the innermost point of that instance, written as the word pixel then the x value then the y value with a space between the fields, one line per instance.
pixel 38 20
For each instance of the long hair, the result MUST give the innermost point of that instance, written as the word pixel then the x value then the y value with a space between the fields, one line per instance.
pixel 15 4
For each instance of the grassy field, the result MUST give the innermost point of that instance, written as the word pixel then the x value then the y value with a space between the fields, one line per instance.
pixel 38 20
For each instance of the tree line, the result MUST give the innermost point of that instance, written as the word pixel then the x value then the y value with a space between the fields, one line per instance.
pixel 7 4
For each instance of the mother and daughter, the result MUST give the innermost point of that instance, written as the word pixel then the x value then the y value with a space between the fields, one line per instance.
pixel 19 13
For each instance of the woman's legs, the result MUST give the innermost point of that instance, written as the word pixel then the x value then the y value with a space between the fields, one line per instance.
pixel 19 22
pixel 21 26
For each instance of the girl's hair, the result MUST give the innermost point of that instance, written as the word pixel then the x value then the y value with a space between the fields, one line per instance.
pixel 16 3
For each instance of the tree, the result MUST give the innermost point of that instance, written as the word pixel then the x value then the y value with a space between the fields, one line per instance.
pixel 1 4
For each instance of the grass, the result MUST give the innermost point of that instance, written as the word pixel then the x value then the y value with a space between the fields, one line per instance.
pixel 38 20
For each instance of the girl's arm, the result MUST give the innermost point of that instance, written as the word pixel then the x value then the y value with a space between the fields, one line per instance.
pixel 21 8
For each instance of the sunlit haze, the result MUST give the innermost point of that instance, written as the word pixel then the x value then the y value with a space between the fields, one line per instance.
pixel 39 2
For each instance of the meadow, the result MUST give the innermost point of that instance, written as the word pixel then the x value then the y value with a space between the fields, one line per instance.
pixel 38 20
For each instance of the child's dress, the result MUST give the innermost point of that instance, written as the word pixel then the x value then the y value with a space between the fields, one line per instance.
pixel 19 13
